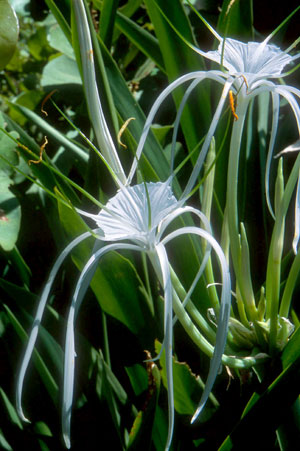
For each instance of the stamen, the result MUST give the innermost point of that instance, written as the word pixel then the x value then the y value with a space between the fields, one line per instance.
pixel 231 102
pixel 122 130
pixel 42 148
pixel 45 100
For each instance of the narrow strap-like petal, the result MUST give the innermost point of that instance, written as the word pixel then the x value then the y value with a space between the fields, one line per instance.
pixel 185 98
pixel 297 217
pixel 202 155
pixel 223 313
pixel 275 118
pixel 168 335
pixel 38 318
pixel 69 360
pixel 201 75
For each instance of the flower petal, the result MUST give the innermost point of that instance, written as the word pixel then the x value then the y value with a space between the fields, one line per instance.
pixel 224 312
pixel 38 318
pixel 167 287
pixel 69 361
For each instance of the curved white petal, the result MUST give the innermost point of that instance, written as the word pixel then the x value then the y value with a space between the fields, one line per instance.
pixel 224 312
pixel 201 75
pixel 202 155
pixel 69 360
pixel 275 118
pixel 297 217
pixel 167 287
pixel 38 318
pixel 178 117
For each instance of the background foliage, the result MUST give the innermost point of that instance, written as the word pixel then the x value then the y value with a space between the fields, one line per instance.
pixel 121 401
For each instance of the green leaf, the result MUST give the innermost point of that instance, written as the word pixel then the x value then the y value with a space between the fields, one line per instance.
pixel 9 31
pixel 291 351
pixel 60 13
pixel 7 149
pixel 20 265
pixel 180 59
pixel 141 431
pixel 58 40
pixel 128 107
pixel 41 367
pixel 236 19
pixel 265 412
pixel 142 39
pixel 61 71
pixel 107 19
pixel 4 443
pixel 188 387
pixel 10 410
pixel 10 215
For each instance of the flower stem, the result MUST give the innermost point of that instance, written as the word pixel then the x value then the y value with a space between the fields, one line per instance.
pixel 273 286
pixel 238 247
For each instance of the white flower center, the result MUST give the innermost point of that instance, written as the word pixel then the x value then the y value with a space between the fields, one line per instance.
pixel 135 212
pixel 254 60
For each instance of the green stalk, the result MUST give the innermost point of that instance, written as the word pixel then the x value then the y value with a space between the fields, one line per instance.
pixel 271 289
pixel 208 189
pixel 274 261
pixel 289 287
pixel 242 273
pixel 195 335
pixel 180 292
pixel 203 344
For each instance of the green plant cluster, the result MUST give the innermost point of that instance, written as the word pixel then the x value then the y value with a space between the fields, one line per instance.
pixel 48 169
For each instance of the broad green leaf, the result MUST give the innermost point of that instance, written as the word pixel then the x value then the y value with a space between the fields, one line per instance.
pixel 141 431
pixel 38 45
pixel 9 31
pixel 10 214
pixel 57 40
pixel 60 71
pixel 188 387
pixel 138 378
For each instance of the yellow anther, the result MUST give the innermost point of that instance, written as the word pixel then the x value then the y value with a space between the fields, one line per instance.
pixel 42 148
pixel 231 102
pixel 122 129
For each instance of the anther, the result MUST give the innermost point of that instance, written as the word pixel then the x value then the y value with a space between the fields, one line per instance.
pixel 231 102
pixel 122 129
pixel 42 148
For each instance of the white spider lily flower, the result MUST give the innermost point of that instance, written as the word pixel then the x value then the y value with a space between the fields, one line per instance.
pixel 250 69
pixel 135 219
